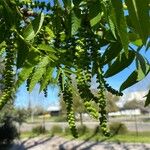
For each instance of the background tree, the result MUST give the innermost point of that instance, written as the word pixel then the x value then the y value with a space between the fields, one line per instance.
pixel 111 101
pixel 136 104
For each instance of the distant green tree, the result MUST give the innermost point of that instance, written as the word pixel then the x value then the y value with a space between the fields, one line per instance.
pixel 133 104
pixel 20 116
pixel 111 101
pixel 136 104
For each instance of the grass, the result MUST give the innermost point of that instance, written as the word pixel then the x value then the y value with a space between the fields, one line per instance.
pixel 127 138
pixel 29 134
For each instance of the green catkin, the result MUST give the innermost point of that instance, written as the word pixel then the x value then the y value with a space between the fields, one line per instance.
pixel 102 104
pixel 28 81
pixel 86 95
pixel 45 92
pixel 84 76
pixel 67 96
pixel 110 89
pixel 8 72
pixel 68 99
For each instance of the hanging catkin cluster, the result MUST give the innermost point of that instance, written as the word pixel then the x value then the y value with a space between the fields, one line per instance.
pixel 68 99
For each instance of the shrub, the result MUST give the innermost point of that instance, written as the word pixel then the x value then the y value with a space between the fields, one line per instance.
pixel 97 130
pixel 8 131
pixel 82 130
pixel 39 130
pixel 56 129
pixel 67 131
pixel 118 128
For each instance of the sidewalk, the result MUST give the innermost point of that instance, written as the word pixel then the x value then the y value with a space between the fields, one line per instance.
pixel 59 143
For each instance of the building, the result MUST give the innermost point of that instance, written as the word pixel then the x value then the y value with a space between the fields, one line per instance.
pixel 54 110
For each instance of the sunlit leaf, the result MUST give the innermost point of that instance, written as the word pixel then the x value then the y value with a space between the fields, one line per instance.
pixel 47 77
pixel 34 27
pixel 76 23
pixel 38 73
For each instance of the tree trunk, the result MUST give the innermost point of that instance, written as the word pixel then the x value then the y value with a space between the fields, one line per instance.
pixel 81 119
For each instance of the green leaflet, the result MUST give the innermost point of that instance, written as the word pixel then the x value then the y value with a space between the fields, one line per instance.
pixel 120 64
pixel 112 26
pixel 142 62
pixel 147 102
pixel 2 32
pixel 107 9
pixel 94 8
pixel 47 77
pixel 95 12
pixel 46 48
pixel 9 13
pixel 76 2
pixel 111 52
pixel 49 50
pixel 50 33
pixel 30 63
pixel 134 77
pixel 120 21
pixel 139 15
pixel 23 49
pixel 2 47
pixel 33 28
pixel 38 73
pixel 96 19
pixel 76 23
pixel 135 39
pixel 67 4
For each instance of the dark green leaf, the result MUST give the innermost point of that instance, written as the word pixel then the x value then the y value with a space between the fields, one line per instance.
pixel 30 63
pixel 96 19
pixel 94 9
pixel 142 62
pixel 76 2
pixel 22 53
pixel 147 102
pixel 46 48
pixel 134 77
pixel 111 52
pixel 131 80
pixel 120 64
pixel 121 25
pixel 139 14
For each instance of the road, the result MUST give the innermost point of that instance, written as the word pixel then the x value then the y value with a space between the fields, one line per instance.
pixel 132 126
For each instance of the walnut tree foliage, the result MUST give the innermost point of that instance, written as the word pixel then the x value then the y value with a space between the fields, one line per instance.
pixel 47 42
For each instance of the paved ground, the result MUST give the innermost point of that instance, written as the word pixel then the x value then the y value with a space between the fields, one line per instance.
pixel 132 126
pixel 59 143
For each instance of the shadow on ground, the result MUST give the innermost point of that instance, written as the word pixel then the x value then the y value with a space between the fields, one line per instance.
pixel 28 144
pixel 58 143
